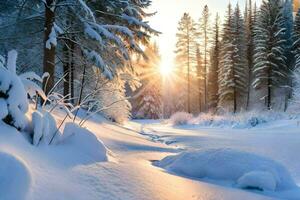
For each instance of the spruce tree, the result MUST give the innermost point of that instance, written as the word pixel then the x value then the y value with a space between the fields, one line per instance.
pixel 240 60
pixel 249 32
pixel 296 40
pixel 225 77
pixel 290 57
pixel 232 79
pixel 270 69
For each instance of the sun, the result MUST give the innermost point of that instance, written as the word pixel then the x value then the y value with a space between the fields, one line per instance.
pixel 165 69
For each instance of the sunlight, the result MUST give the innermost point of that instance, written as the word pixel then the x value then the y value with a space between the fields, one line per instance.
pixel 165 69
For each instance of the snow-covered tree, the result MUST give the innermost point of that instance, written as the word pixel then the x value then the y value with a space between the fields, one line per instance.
pixel 185 52
pixel 232 79
pixel 270 69
pixel 296 40
pixel 290 57
pixel 225 77
pixel 105 32
pixel 147 100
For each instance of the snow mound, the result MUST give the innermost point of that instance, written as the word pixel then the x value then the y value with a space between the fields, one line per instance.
pixel 244 169
pixel 85 142
pixel 261 180
pixel 14 178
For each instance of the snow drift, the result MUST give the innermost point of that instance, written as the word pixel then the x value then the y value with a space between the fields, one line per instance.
pixel 85 142
pixel 15 177
pixel 245 170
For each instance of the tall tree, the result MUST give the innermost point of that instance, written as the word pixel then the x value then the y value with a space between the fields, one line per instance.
pixel 270 69
pixel 205 33
pixel 106 32
pixel 233 62
pixel 296 40
pixel 199 77
pixel 49 45
pixel 185 50
pixel 290 57
pixel 214 65
pixel 249 31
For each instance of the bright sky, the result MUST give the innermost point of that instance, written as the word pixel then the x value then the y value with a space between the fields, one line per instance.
pixel 169 13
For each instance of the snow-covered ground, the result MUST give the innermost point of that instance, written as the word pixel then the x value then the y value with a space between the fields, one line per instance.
pixel 122 167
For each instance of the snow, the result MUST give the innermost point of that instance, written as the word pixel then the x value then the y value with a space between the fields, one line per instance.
pixel 52 39
pixel 242 168
pixel 11 61
pixel 15 177
pixel 86 141
pixel 37 123
pixel 261 180
pixel 13 93
pixel 104 160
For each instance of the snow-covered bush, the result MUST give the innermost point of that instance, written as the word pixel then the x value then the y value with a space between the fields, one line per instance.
pixel 13 96
pixel 244 169
pixel 238 120
pixel 44 128
pixel 180 118
pixel 14 91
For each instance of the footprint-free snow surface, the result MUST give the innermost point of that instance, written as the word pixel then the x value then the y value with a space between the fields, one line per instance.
pixel 112 162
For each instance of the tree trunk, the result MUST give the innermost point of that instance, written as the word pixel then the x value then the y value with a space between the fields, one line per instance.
pixel 188 73
pixel 72 69
pixel 269 100
pixel 49 54
pixel 66 68
pixel 249 88
pixel 234 101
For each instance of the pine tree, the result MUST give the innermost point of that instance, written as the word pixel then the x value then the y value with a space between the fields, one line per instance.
pixel 233 85
pixel 270 70
pixel 204 35
pixel 240 60
pixel 296 40
pixel 147 102
pixel 290 57
pixel 249 31
pixel 214 67
pixel 225 77
pixel 106 32
pixel 185 51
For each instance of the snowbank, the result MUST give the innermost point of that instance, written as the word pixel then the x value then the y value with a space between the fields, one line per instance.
pixel 245 170
pixel 240 120
pixel 15 177
pixel 83 140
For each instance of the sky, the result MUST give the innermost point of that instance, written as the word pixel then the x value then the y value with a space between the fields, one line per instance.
pixel 169 13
